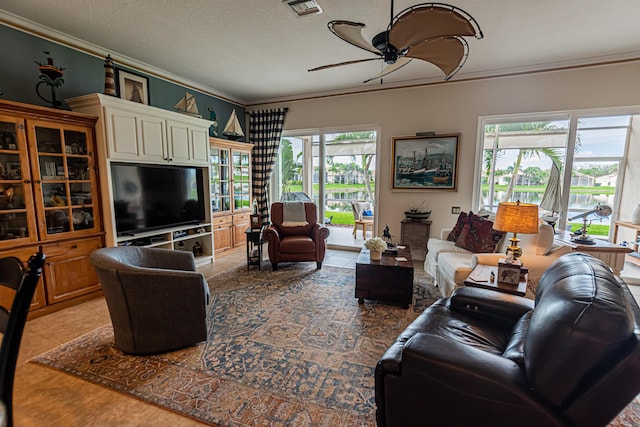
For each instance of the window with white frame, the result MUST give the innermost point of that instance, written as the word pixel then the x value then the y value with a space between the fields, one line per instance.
pixel 518 154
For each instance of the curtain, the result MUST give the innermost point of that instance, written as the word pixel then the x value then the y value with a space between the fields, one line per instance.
pixel 265 129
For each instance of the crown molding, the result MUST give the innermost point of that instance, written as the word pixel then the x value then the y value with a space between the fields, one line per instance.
pixel 560 66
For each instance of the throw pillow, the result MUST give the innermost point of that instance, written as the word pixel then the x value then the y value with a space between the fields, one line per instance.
pixel 463 219
pixel 367 212
pixel 478 236
pixel 457 229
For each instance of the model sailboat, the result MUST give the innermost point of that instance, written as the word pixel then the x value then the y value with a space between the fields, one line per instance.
pixel 187 105
pixel 233 130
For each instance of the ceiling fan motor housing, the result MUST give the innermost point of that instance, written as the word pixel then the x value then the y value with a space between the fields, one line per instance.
pixel 389 52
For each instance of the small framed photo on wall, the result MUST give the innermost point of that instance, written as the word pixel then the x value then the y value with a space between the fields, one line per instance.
pixel 133 87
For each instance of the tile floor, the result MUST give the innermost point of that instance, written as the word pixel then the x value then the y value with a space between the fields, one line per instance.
pixel 45 397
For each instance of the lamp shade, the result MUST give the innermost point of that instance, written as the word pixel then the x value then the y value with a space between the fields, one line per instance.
pixel 516 217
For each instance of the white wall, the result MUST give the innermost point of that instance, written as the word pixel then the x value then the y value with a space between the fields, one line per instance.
pixel 454 107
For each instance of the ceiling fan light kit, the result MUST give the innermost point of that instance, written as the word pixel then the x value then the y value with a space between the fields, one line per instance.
pixel 431 32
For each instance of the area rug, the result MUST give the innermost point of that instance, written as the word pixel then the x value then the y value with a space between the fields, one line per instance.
pixel 291 347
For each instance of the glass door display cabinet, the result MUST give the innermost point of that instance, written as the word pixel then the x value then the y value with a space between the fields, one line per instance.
pixel 230 164
pixel 220 173
pixel 62 160
pixel 49 200
pixel 17 222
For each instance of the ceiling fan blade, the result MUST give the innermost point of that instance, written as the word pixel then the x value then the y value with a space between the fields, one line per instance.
pixel 401 62
pixel 447 53
pixel 356 61
pixel 351 32
pixel 415 24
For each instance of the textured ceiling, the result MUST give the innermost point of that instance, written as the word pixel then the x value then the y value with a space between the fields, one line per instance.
pixel 257 50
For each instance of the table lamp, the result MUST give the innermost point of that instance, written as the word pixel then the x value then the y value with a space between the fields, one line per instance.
pixel 516 217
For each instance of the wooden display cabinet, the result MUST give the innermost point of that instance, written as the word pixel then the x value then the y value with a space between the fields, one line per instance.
pixel 230 171
pixel 49 198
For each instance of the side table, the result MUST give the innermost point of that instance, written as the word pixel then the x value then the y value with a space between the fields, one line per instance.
pixel 254 246
pixel 416 235
pixel 613 255
pixel 480 277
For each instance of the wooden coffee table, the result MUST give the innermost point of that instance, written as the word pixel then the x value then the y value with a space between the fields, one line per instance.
pixel 387 280
pixel 480 277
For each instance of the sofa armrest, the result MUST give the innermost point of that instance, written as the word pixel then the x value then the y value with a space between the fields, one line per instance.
pixel 271 235
pixel 166 259
pixel 489 304
pixel 486 387
pixel 486 259
pixel 319 233
pixel 445 233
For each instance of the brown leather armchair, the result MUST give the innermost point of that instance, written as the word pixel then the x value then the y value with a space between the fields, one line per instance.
pixel 296 244
pixel 481 357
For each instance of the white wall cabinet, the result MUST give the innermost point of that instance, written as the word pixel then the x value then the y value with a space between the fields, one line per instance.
pixel 143 134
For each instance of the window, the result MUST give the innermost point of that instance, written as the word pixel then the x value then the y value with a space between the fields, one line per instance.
pixel 332 168
pixel 518 155
pixel 598 159
pixel 517 158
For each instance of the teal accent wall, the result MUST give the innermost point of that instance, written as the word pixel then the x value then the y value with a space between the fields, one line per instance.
pixel 84 74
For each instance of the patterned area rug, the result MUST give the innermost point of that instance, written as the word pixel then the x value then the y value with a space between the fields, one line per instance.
pixel 290 347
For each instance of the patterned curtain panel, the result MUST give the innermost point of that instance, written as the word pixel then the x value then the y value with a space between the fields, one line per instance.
pixel 265 129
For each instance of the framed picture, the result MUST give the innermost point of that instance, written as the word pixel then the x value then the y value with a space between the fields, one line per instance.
pixel 133 87
pixel 256 223
pixel 508 273
pixel 425 162
pixel 13 170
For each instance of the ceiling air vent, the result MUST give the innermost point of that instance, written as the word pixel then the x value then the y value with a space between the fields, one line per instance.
pixel 303 7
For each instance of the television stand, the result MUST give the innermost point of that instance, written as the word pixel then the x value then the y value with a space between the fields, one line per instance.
pixel 179 238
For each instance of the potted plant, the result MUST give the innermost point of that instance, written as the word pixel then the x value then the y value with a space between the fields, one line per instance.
pixel 375 245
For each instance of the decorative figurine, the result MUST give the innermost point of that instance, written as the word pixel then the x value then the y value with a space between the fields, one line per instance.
pixel 232 129
pixel 187 105
pixel 109 79
pixel 213 129
pixel 386 236
pixel 52 77
pixel 197 249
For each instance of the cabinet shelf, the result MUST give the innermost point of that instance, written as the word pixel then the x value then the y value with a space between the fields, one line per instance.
pixel 172 238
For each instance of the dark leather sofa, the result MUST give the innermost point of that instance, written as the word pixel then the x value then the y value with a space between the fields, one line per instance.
pixel 481 357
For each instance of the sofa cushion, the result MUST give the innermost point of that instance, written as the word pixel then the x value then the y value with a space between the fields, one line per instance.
pixel 478 236
pixel 537 244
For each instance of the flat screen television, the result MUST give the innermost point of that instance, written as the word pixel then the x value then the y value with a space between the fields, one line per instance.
pixel 151 197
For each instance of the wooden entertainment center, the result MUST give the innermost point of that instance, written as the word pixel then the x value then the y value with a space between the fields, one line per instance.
pixel 56 187
pixel 129 132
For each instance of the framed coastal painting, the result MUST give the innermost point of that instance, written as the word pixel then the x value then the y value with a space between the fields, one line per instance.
pixel 425 162
pixel 133 87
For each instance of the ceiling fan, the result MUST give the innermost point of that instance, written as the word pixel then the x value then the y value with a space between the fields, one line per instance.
pixel 431 32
